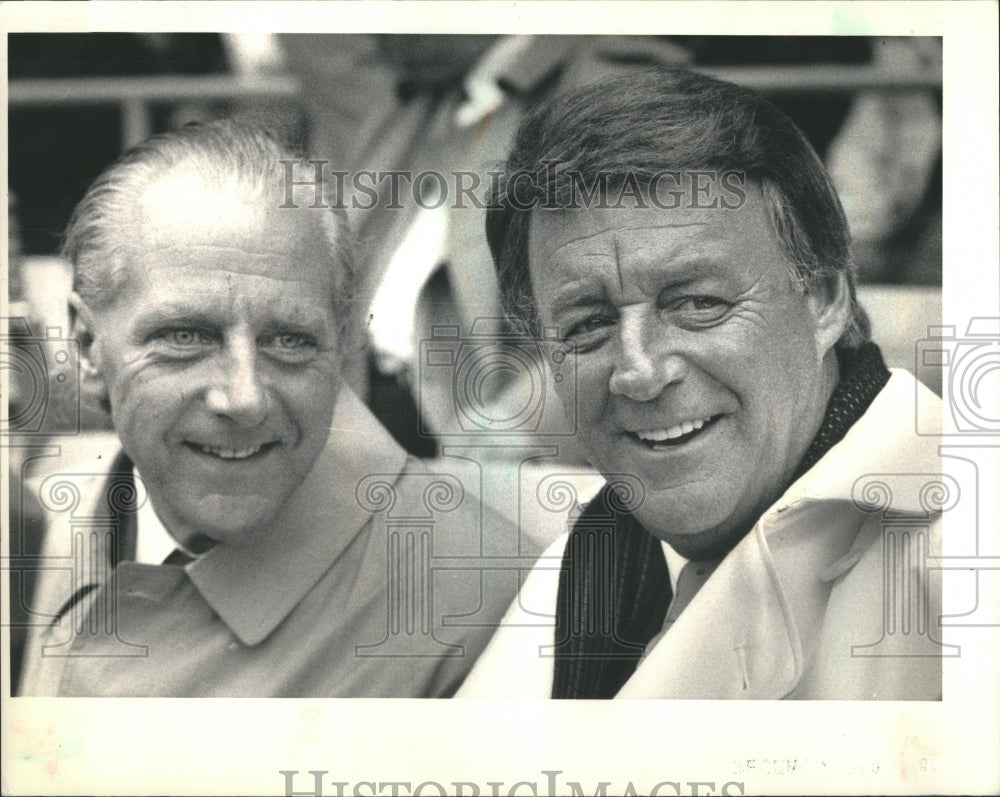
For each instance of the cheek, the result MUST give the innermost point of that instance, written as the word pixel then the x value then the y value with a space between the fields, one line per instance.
pixel 310 399
pixel 586 396
pixel 142 415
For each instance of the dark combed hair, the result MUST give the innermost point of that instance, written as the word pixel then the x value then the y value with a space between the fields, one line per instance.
pixel 99 237
pixel 649 121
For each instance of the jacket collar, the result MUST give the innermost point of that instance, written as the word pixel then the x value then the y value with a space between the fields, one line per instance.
pixel 882 441
pixel 755 646
pixel 254 587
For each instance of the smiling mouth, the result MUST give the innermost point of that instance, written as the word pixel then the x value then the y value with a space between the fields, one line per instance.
pixel 658 439
pixel 232 454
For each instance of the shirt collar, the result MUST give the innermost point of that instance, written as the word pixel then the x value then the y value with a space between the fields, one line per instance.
pixel 675 563
pixel 153 543
pixel 254 587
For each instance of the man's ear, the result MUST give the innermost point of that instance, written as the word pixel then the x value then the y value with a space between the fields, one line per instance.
pixel 830 305
pixel 82 328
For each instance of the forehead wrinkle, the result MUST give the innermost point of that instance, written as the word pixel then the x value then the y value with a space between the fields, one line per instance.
pixel 618 263
pixel 616 230
pixel 642 253
pixel 270 312
pixel 227 275
pixel 239 250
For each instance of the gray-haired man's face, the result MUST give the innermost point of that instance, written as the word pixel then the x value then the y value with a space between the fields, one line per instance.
pixel 219 355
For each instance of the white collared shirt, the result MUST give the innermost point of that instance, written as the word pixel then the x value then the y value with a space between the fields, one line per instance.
pixel 675 563
pixel 153 543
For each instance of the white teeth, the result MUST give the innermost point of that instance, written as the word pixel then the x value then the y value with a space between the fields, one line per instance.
pixel 686 427
pixel 231 453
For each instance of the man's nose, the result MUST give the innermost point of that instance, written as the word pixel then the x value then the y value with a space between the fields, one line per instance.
pixel 647 361
pixel 238 391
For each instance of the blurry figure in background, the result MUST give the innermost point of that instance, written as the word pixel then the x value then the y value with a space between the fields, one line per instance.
pixel 441 104
pixel 451 103
pixel 886 164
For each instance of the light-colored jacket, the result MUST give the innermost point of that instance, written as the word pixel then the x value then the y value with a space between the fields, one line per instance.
pixel 828 597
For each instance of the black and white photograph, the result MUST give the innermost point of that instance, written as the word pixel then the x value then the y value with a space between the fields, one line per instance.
pixel 539 398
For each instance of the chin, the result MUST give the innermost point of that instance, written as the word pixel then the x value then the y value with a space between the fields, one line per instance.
pixel 704 531
pixel 229 518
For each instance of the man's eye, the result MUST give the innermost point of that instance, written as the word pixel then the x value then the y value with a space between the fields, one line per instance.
pixel 589 333
pixel 291 346
pixel 701 309
pixel 703 302
pixel 185 338
pixel 291 341
pixel 588 325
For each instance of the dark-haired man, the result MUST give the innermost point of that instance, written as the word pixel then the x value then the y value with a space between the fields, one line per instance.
pixel 237 544
pixel 685 240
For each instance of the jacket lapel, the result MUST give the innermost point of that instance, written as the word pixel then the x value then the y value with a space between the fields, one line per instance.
pixel 726 649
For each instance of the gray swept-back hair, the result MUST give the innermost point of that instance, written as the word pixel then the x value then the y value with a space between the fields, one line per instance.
pixel 99 238
pixel 649 121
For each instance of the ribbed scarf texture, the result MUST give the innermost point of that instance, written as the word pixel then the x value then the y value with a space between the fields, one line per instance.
pixel 614 589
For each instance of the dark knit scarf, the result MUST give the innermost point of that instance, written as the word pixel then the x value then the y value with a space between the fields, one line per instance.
pixel 614 589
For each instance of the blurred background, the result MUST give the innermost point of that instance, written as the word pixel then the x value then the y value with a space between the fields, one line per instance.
pixel 870 106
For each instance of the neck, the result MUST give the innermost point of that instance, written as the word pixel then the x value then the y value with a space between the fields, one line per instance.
pixel 853 378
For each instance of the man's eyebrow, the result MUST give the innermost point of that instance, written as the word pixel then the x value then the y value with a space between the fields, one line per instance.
pixel 301 320
pixel 581 293
pixel 160 318
pixel 687 270
pixel 192 306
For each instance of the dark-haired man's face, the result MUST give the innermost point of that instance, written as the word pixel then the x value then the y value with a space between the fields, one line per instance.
pixel 702 368
pixel 219 355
